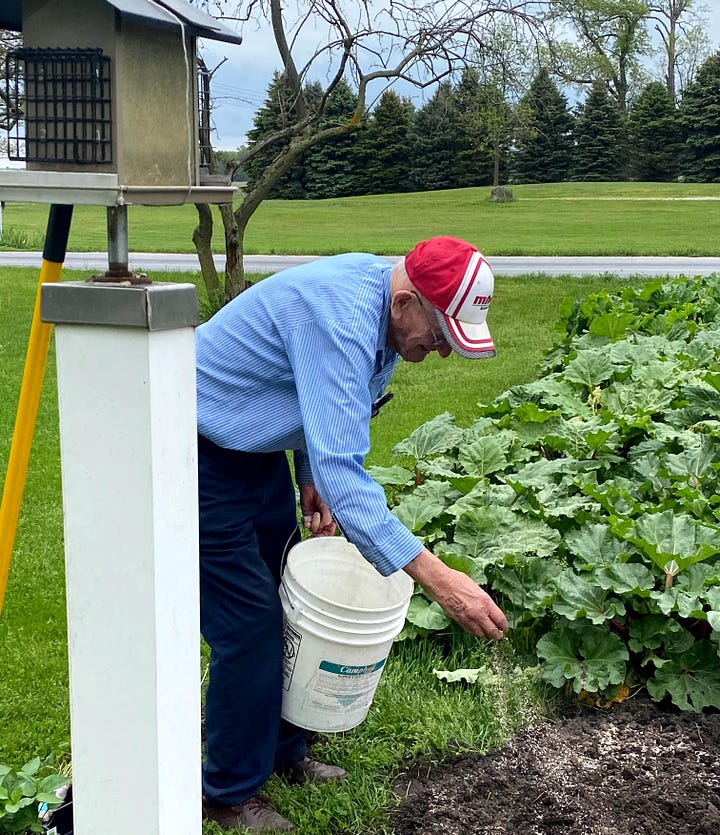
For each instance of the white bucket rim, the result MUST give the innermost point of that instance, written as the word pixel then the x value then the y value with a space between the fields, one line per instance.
pixel 327 600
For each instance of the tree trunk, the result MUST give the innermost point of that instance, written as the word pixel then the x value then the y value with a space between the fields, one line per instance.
pixel 234 268
pixel 202 238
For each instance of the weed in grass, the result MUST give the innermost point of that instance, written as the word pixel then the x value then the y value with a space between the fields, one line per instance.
pixel 16 238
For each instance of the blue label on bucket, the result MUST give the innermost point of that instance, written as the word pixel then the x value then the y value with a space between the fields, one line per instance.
pixel 349 669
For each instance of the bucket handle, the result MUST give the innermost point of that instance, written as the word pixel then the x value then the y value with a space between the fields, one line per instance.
pixel 286 548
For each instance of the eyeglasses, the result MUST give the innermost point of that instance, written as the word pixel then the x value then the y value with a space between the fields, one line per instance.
pixel 438 340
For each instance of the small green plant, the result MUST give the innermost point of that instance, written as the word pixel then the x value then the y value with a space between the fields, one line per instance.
pixel 14 238
pixel 23 791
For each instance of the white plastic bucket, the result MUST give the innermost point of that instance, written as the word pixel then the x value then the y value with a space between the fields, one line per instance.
pixel 340 619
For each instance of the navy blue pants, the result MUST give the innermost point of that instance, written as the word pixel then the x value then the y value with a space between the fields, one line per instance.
pixel 248 517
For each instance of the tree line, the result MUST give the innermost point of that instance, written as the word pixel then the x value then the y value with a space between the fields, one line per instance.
pixel 480 60
pixel 469 134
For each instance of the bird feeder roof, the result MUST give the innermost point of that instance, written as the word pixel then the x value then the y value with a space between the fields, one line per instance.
pixel 173 14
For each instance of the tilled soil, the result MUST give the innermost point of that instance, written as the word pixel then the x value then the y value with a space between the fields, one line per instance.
pixel 630 770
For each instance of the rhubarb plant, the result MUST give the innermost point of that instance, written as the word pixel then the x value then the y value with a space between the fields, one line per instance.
pixel 588 501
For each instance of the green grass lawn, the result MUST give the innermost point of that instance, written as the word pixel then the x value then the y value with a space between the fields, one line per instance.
pixel 552 219
pixel 414 714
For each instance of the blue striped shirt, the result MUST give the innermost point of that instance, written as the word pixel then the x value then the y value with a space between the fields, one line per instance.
pixel 295 363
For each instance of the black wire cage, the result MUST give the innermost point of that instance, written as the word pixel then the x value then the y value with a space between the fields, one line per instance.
pixel 60 104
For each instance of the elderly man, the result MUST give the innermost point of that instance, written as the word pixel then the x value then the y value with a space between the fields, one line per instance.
pixel 297 363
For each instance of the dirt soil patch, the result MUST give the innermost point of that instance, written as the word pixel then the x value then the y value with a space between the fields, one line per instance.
pixel 631 770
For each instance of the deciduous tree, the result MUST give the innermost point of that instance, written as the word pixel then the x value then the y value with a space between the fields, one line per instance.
pixel 682 28
pixel 609 38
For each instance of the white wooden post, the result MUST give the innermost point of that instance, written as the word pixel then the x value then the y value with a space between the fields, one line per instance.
pixel 126 386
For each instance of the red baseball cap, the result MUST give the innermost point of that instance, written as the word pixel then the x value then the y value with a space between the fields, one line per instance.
pixel 457 280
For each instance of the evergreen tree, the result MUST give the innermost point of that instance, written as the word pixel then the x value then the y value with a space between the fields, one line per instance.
pixel 655 136
pixel 434 142
pixel 600 137
pixel 544 143
pixel 474 154
pixel 700 118
pixel 329 167
pixel 277 113
pixel 382 159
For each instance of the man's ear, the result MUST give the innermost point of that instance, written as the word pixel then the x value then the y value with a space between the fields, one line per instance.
pixel 400 301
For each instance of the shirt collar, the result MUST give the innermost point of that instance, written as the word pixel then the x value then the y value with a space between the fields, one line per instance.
pixel 385 313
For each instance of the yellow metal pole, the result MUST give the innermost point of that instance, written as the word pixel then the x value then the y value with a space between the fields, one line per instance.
pixel 58 229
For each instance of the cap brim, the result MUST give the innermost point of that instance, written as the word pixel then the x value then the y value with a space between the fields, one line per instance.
pixel 471 341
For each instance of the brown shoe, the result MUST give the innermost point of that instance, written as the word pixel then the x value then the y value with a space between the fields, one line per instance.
pixel 311 770
pixel 255 814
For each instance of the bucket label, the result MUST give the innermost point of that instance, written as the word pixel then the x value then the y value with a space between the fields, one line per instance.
pixel 350 670
pixel 291 649
pixel 338 686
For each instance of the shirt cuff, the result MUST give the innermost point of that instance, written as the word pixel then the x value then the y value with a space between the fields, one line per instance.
pixel 395 550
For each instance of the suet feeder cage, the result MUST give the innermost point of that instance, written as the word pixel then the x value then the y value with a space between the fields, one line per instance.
pixel 105 97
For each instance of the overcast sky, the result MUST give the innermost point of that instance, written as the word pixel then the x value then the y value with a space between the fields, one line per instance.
pixel 240 85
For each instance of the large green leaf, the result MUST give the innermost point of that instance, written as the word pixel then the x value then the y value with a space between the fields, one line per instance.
pixel 482 495
pixel 423 505
pixel 554 392
pixel 590 657
pixel 529 412
pixel 622 399
pixel 577 598
pixel 692 681
pixel 652 631
pixel 426 615
pixel 482 457
pixel 704 401
pixel 554 502
pixel 395 476
pixel 669 536
pixel 612 325
pixel 455 557
pixel 493 533
pixel 696 463
pixel 539 473
pixel 589 368
pixel 595 545
pixel 616 495
pixel 437 435
pixel 635 354
pixel 656 374
pixel 625 578
pixel 529 584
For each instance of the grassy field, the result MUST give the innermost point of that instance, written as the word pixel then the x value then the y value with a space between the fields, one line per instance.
pixel 553 219
pixel 414 714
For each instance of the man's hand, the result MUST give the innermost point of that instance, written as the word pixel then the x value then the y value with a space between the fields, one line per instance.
pixel 463 600
pixel 316 514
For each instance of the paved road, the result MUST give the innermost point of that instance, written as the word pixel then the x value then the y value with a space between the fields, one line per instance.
pixel 502 265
